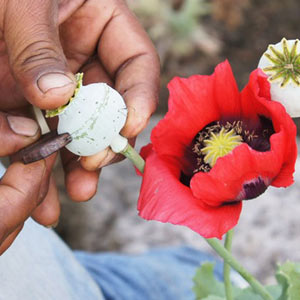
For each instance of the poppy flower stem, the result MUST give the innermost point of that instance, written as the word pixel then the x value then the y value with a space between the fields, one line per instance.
pixel 134 157
pixel 230 260
pixel 226 268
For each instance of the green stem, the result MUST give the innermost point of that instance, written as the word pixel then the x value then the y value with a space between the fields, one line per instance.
pixel 134 157
pixel 229 259
pixel 226 268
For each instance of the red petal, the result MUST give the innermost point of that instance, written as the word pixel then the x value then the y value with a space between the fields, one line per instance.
pixel 256 100
pixel 193 103
pixel 284 177
pixel 225 180
pixel 190 110
pixel 226 93
pixel 164 198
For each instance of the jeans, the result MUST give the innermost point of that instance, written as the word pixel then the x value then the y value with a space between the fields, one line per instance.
pixel 39 266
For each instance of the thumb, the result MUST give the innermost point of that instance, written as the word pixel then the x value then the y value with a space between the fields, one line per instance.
pixel 35 53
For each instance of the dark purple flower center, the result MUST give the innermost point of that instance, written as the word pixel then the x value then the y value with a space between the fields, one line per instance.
pixel 255 134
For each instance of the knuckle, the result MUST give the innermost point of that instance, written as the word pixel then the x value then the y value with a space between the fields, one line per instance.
pixel 35 54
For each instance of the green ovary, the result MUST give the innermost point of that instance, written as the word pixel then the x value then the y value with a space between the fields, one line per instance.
pixel 219 145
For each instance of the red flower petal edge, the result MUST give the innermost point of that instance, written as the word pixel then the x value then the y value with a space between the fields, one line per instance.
pixel 211 203
pixel 164 198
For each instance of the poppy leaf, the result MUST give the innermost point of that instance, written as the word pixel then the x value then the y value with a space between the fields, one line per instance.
pixel 288 276
pixel 206 284
pixel 249 294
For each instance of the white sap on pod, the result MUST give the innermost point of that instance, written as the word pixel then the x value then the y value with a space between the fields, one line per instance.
pixel 281 62
pixel 94 117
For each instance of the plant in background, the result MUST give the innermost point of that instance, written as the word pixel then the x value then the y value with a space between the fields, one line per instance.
pixel 175 26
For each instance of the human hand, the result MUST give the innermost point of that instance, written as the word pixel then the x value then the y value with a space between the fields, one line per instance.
pixel 44 42
pixel 33 61
pixel 23 187
pixel 113 48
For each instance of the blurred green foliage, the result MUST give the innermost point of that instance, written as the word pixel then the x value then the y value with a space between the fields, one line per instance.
pixel 174 26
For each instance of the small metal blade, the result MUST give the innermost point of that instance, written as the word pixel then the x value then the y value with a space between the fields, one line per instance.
pixel 44 147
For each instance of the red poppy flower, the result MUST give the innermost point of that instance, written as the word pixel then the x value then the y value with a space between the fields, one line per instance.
pixel 188 178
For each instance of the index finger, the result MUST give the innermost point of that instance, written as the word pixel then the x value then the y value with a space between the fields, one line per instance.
pixel 130 58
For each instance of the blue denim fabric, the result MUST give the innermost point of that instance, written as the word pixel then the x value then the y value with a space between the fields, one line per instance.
pixel 39 266
pixel 161 274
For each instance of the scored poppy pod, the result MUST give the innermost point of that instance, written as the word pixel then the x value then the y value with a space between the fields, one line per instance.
pixel 214 148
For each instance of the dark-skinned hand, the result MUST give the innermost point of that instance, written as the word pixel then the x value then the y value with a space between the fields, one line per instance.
pixel 42 44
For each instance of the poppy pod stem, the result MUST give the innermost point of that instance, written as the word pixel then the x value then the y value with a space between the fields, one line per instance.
pixel 134 157
pixel 230 260
pixel 120 145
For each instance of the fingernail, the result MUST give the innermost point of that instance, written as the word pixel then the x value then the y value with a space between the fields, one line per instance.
pixel 22 126
pixel 53 81
pixel 54 225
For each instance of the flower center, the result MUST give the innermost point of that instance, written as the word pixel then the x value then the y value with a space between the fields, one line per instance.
pixel 285 63
pixel 219 145
pixel 219 138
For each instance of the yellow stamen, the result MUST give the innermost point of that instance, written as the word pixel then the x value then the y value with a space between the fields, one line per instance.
pixel 219 145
